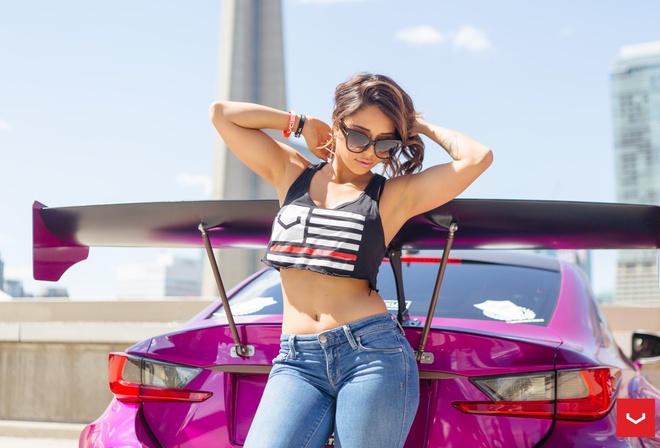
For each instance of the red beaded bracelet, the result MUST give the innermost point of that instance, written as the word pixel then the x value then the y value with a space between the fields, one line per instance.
pixel 292 120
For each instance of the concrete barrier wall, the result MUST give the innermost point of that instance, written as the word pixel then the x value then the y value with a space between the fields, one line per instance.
pixel 53 354
pixel 55 382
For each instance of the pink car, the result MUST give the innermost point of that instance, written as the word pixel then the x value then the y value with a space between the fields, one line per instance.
pixel 512 348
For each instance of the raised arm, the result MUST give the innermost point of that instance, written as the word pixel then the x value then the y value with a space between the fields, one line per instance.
pixel 412 194
pixel 241 126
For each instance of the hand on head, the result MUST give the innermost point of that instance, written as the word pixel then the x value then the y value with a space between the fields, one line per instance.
pixel 319 139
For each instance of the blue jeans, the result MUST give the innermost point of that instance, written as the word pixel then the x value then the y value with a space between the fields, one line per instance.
pixel 359 380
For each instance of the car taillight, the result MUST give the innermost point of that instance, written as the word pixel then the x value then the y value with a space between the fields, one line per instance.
pixel 566 395
pixel 134 379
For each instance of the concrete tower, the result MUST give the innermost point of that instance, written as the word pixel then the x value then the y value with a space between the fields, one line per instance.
pixel 251 69
pixel 636 121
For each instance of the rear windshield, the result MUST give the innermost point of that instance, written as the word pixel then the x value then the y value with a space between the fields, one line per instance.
pixel 470 290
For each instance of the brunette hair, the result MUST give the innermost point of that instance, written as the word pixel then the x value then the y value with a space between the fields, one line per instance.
pixel 367 89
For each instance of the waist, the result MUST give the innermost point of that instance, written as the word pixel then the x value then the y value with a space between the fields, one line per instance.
pixel 316 302
pixel 344 333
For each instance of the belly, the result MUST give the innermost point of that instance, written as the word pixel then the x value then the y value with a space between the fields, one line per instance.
pixel 316 302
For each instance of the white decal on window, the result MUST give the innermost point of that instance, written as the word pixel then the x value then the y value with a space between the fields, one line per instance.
pixel 393 305
pixel 507 311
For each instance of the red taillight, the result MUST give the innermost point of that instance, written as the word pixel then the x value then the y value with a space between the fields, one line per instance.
pixel 567 395
pixel 536 409
pixel 585 394
pixel 135 379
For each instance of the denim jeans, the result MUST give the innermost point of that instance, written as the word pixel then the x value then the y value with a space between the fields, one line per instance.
pixel 359 381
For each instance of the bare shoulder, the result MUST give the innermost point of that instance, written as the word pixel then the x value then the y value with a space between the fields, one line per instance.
pixel 296 164
pixel 392 206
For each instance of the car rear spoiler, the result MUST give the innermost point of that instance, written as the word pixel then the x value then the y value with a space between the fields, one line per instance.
pixel 62 236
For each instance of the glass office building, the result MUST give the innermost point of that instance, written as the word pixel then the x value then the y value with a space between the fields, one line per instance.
pixel 635 80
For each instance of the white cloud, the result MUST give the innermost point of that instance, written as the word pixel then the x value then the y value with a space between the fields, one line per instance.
pixel 195 180
pixel 420 35
pixel 566 31
pixel 471 39
pixel 4 126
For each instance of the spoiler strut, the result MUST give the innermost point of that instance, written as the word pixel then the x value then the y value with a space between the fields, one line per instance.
pixel 427 358
pixel 238 350
pixel 394 256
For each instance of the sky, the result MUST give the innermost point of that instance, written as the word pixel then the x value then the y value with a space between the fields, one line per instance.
pixel 107 102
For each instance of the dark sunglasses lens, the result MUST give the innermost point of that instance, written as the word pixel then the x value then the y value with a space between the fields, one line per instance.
pixel 356 141
pixel 385 148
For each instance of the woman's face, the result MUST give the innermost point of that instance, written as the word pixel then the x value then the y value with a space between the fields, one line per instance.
pixel 371 122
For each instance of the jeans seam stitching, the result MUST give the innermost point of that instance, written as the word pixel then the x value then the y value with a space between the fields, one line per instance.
pixel 318 424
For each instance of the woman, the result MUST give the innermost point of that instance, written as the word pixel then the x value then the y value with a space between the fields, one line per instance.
pixel 344 364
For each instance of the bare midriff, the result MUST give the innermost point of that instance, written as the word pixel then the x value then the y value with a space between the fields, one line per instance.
pixel 315 302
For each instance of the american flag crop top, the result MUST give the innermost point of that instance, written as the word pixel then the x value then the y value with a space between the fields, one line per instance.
pixel 346 241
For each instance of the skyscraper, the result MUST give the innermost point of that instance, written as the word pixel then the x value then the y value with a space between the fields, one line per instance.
pixel 2 275
pixel 251 69
pixel 635 78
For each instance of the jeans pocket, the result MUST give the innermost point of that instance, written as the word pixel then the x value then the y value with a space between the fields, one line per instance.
pixel 382 341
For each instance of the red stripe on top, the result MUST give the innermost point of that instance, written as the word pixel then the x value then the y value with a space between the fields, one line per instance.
pixel 313 252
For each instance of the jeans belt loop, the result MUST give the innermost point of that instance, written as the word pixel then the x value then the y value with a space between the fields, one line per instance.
pixel 349 336
pixel 398 324
pixel 292 346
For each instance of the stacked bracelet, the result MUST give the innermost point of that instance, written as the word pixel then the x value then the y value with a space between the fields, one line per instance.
pixel 292 120
pixel 301 123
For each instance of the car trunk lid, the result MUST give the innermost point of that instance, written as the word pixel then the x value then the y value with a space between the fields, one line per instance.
pixel 459 355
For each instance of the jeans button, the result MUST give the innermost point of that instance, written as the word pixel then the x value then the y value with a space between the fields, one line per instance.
pixel 323 339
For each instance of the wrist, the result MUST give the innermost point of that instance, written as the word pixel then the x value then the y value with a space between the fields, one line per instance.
pixel 300 126
pixel 420 127
pixel 286 133
pixel 295 125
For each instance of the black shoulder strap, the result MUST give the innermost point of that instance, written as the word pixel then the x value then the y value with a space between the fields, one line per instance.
pixel 375 187
pixel 300 186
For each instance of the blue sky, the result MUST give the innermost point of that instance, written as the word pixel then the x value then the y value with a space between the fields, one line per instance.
pixel 104 102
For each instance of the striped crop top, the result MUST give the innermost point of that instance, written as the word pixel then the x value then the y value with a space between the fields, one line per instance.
pixel 346 241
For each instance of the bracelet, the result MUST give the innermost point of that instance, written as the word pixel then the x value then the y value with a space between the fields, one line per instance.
pixel 292 119
pixel 301 123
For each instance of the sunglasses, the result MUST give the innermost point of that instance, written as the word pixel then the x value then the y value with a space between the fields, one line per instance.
pixel 357 142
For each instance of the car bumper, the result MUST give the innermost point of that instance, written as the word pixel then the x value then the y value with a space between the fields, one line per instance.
pixel 595 434
pixel 122 424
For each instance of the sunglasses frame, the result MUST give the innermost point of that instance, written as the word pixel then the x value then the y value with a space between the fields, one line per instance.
pixel 346 131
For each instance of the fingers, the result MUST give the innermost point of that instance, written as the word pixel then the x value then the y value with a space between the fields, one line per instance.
pixel 325 150
pixel 319 139
pixel 327 142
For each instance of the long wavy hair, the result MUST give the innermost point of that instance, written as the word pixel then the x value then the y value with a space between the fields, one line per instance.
pixel 367 89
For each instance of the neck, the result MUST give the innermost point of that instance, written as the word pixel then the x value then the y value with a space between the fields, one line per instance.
pixel 339 174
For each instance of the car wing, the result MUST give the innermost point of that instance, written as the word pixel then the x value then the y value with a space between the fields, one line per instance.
pixel 62 235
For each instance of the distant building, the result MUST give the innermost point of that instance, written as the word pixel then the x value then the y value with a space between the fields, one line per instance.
pixel 635 78
pixel 52 291
pixel 15 288
pixel 251 69
pixel 168 276
pixel 2 275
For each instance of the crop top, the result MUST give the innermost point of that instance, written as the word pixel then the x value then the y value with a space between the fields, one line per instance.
pixel 345 241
